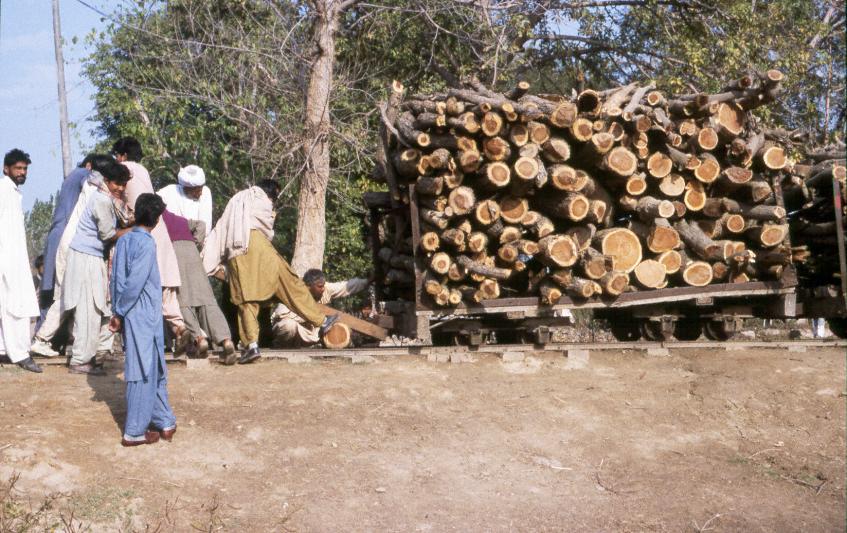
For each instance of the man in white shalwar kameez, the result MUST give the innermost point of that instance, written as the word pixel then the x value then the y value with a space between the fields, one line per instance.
pixel 18 303
pixel 190 198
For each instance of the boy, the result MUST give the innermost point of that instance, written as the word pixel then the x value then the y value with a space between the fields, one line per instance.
pixel 137 312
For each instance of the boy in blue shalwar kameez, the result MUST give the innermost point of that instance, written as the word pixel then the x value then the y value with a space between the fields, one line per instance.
pixel 137 311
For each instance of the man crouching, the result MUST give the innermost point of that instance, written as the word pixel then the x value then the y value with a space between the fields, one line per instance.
pixel 292 331
pixel 137 312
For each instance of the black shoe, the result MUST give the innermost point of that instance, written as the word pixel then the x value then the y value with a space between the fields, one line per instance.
pixel 249 355
pixel 329 321
pixel 29 364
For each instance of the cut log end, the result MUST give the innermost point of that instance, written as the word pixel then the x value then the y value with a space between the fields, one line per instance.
pixel 697 273
pixel 622 245
pixel 337 337
pixel 621 162
pixel 650 273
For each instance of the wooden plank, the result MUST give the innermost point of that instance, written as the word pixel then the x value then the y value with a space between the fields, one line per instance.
pixel 630 299
pixel 416 245
pixel 839 231
pixel 356 324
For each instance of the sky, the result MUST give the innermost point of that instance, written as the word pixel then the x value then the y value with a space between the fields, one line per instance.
pixel 29 108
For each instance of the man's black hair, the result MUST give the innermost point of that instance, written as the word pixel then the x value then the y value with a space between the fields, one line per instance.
pixel 313 275
pixel 115 172
pixel 128 146
pixel 271 188
pixel 15 156
pixel 148 208
pixel 39 261
pixel 95 159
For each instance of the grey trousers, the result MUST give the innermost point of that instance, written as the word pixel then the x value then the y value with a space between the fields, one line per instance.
pixel 206 321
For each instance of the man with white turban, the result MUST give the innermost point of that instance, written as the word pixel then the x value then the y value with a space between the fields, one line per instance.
pixel 190 198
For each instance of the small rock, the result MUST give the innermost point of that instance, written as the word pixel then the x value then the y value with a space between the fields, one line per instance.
pixel 747 334
pixel 192 423
pixel 380 489
pixel 335 445
pixel 362 359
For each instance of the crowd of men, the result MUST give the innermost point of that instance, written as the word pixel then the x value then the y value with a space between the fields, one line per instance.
pixel 97 214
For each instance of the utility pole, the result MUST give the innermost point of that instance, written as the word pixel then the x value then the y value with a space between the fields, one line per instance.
pixel 67 164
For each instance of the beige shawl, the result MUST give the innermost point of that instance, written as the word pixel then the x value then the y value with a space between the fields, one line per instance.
pixel 247 210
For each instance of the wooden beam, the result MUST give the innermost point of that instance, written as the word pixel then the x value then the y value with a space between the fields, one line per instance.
pixel 356 324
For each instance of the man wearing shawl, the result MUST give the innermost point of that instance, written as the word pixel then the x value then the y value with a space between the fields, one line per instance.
pixel 17 295
pixel 85 286
pixel 190 198
pixel 137 313
pixel 127 151
pixel 51 283
pixel 241 245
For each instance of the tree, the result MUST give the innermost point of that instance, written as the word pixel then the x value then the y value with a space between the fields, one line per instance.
pixel 37 222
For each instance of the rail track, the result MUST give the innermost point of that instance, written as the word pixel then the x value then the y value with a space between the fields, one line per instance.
pixel 517 351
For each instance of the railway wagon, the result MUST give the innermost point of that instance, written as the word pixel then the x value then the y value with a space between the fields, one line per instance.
pixel 684 313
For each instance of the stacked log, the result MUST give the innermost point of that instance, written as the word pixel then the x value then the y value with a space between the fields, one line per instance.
pixel 585 196
pixel 814 213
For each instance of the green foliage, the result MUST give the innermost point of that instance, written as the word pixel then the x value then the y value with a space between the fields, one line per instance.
pixel 37 222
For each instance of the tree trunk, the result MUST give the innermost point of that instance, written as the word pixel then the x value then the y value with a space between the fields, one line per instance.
pixel 309 243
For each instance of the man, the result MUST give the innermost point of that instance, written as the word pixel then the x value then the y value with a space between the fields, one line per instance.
pixel 18 303
pixel 128 151
pixel 200 310
pixel 85 285
pixel 65 202
pixel 241 245
pixel 66 213
pixel 190 198
pixel 291 331
pixel 137 305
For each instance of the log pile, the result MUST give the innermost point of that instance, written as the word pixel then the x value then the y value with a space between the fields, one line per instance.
pixel 586 195
pixel 808 192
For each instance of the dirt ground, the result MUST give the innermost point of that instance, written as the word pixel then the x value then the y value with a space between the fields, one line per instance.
pixel 707 440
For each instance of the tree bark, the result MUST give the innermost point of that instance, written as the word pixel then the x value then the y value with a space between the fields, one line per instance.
pixel 309 243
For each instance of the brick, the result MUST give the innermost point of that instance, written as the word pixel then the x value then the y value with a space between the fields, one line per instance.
pixel 362 359
pixel 299 358
pixel 657 352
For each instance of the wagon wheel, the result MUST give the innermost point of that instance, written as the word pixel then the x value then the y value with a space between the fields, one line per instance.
pixel 657 330
pixel 625 330
pixel 719 330
pixel 838 326
pixel 688 329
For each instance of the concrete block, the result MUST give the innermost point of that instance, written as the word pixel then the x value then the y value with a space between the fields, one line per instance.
pixel 462 357
pixel 197 364
pixel 362 359
pixel 299 358
pixel 578 358
pixel 657 352
pixel 513 357
pixel 798 349
pixel 438 357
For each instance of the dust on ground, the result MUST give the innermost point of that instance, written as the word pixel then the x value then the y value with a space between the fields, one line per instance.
pixel 707 440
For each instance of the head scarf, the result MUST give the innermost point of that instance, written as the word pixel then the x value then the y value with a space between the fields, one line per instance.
pixel 191 176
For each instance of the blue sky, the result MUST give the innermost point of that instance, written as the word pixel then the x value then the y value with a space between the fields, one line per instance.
pixel 29 109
